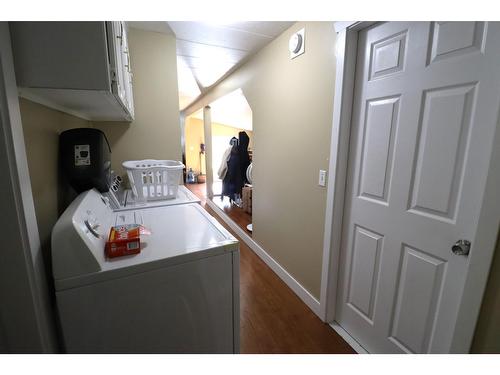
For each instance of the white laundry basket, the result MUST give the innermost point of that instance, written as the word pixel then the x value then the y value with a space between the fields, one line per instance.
pixel 154 179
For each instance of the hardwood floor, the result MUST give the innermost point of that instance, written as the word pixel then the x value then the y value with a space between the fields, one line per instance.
pixel 237 214
pixel 200 190
pixel 272 318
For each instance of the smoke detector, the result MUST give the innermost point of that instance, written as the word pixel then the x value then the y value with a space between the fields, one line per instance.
pixel 296 44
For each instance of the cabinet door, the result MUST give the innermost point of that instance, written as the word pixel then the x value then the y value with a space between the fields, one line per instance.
pixel 118 52
pixel 127 73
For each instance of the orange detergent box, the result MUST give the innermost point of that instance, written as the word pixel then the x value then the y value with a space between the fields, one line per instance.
pixel 123 240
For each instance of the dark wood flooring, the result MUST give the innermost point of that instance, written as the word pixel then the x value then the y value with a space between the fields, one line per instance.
pixel 200 190
pixel 237 214
pixel 272 318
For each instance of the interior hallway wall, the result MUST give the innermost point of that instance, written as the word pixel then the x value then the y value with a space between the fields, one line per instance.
pixel 41 128
pixel 292 107
pixel 155 133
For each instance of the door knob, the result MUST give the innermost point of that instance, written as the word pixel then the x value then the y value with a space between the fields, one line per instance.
pixel 461 247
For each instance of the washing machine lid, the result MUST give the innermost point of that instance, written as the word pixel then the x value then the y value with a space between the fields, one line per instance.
pixel 179 234
pixel 184 195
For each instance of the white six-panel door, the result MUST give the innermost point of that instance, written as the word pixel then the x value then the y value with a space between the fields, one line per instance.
pixel 426 107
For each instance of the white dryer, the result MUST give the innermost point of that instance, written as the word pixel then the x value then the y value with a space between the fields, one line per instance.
pixel 179 295
pixel 184 195
pixel 123 199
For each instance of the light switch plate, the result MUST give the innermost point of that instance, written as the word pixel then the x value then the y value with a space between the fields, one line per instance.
pixel 322 178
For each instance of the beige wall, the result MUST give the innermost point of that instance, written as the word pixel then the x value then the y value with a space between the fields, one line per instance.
pixel 292 130
pixel 41 127
pixel 220 130
pixel 292 107
pixel 487 335
pixel 195 134
pixel 155 133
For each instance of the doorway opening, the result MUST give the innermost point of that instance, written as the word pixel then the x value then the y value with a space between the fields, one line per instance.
pixel 195 151
pixel 228 156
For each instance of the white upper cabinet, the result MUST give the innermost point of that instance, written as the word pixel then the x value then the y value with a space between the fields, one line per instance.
pixel 82 68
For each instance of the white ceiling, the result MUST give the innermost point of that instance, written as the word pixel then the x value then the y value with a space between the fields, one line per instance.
pixel 206 51
pixel 210 50
pixel 156 26
pixel 231 110
pixel 188 87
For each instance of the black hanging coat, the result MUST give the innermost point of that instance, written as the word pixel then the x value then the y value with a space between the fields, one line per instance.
pixel 237 165
pixel 244 157
pixel 232 182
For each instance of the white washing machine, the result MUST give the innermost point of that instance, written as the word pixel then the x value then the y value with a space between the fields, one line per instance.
pixel 184 195
pixel 123 199
pixel 180 294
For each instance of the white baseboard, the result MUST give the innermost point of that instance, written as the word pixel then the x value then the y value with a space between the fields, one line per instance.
pixel 348 338
pixel 293 284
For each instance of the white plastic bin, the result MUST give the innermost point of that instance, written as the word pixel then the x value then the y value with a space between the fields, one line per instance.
pixel 154 179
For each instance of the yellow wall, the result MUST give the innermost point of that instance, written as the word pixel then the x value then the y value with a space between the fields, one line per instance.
pixel 41 128
pixel 220 130
pixel 292 107
pixel 155 133
pixel 194 135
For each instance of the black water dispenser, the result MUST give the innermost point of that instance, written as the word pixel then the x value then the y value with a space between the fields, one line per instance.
pixel 85 159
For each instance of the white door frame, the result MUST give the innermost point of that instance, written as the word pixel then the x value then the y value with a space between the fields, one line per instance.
pixel 25 311
pixel 479 261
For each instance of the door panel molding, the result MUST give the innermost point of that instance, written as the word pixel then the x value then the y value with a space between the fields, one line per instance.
pixel 387 56
pixel 376 169
pixel 452 39
pixel 363 278
pixel 421 311
pixel 441 107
